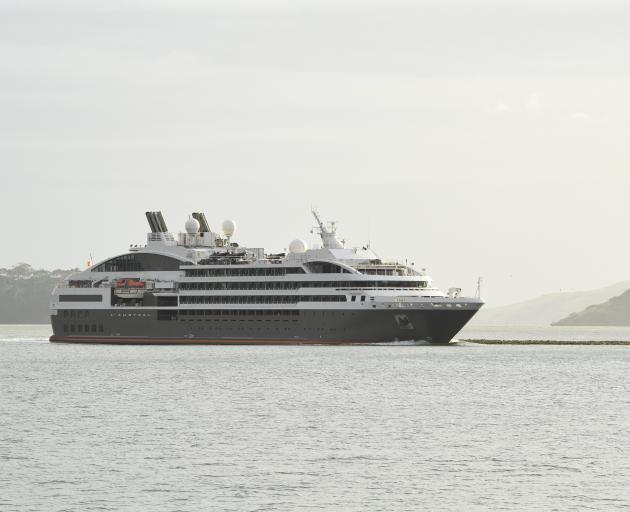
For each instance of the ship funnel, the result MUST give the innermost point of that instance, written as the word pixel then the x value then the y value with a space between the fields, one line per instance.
pixel 163 227
pixel 156 222
pixel 200 217
pixel 152 223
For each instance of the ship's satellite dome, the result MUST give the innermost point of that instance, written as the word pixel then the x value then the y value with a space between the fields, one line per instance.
pixel 298 246
pixel 192 226
pixel 228 227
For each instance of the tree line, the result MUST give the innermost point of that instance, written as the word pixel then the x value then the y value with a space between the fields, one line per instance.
pixel 25 293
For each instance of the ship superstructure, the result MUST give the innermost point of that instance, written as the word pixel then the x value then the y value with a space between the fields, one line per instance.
pixel 202 287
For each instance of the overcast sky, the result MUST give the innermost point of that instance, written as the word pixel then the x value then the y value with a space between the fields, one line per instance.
pixel 473 138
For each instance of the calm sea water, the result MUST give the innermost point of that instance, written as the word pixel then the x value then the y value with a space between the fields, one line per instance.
pixel 546 333
pixel 376 428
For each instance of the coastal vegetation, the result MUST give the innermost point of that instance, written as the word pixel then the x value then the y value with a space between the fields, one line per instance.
pixel 25 293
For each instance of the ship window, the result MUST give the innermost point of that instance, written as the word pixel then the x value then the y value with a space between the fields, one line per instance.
pixel 80 298
pixel 362 298
pixel 135 262
pixel 260 299
pixel 65 327
pixel 80 327
pixel 167 301
pixel 167 315
pixel 323 267
pixel 241 272
pixel 72 328
pixel 354 298
pixel 294 285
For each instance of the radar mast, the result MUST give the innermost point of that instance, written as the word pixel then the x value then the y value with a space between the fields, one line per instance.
pixel 328 233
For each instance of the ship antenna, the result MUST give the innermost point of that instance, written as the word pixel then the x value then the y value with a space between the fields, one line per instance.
pixel 479 281
pixel 319 221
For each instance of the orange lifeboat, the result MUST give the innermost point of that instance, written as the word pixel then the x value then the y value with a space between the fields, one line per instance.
pixel 130 283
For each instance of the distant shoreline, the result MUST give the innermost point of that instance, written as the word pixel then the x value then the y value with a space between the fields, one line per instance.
pixel 546 342
pixel 25 323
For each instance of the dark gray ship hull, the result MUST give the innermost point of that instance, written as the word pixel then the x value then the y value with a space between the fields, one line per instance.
pixel 251 327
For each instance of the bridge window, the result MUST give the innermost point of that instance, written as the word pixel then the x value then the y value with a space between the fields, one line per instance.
pixel 325 267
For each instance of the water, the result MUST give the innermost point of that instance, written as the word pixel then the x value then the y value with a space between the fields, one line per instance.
pixel 42 332
pixel 376 428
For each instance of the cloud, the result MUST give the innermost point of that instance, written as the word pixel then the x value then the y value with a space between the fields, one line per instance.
pixel 533 105
pixel 580 116
pixel 500 107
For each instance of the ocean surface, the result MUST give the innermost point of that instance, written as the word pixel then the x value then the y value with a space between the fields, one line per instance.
pixel 339 428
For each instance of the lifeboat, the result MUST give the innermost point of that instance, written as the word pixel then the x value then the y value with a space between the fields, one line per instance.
pixel 130 283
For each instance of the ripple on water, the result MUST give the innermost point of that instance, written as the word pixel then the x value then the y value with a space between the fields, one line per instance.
pixel 323 428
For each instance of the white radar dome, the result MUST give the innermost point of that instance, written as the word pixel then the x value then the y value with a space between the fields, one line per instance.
pixel 228 228
pixel 298 247
pixel 192 226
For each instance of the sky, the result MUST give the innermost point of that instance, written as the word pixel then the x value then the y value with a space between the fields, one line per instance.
pixel 485 138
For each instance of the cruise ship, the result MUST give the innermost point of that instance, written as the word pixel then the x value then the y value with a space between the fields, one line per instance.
pixel 202 287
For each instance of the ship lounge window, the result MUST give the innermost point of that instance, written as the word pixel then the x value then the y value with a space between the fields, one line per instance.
pixel 259 299
pixel 166 315
pixel 362 298
pixel 138 262
pixel 167 301
pixel 384 271
pixel 242 272
pixel 239 312
pixel 324 267
pixel 294 285
pixel 80 298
